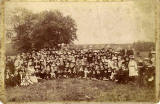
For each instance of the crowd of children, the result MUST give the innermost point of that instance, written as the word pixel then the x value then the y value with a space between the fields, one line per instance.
pixel 49 63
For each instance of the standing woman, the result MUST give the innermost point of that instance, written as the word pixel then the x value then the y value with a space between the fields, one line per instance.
pixel 132 66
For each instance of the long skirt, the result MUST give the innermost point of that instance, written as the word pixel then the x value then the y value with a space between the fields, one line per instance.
pixel 132 72
pixel 33 79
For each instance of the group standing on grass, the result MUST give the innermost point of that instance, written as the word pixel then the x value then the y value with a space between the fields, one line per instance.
pixel 97 64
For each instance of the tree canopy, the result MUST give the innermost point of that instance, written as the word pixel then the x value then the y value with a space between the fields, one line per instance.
pixel 37 30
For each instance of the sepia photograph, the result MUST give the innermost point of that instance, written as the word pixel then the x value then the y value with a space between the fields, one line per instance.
pixel 80 51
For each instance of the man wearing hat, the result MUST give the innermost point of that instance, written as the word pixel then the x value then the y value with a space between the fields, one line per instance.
pixel 141 71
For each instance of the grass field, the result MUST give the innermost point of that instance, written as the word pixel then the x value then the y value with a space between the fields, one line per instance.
pixel 80 90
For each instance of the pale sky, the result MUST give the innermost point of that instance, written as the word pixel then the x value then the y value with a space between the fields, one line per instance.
pixel 99 23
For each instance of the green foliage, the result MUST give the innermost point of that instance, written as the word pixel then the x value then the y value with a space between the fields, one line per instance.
pixel 40 29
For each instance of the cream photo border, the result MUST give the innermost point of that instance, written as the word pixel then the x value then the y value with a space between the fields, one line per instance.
pixel 3 98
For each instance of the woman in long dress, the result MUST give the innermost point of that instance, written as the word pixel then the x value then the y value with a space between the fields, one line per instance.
pixel 133 70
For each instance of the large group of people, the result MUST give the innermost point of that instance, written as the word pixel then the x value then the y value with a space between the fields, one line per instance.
pixel 97 64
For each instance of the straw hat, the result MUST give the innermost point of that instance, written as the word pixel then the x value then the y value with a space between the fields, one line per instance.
pixel 114 58
pixel 146 59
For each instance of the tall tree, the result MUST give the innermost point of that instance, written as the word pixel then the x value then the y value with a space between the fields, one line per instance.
pixel 23 22
pixel 53 28
pixel 40 29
